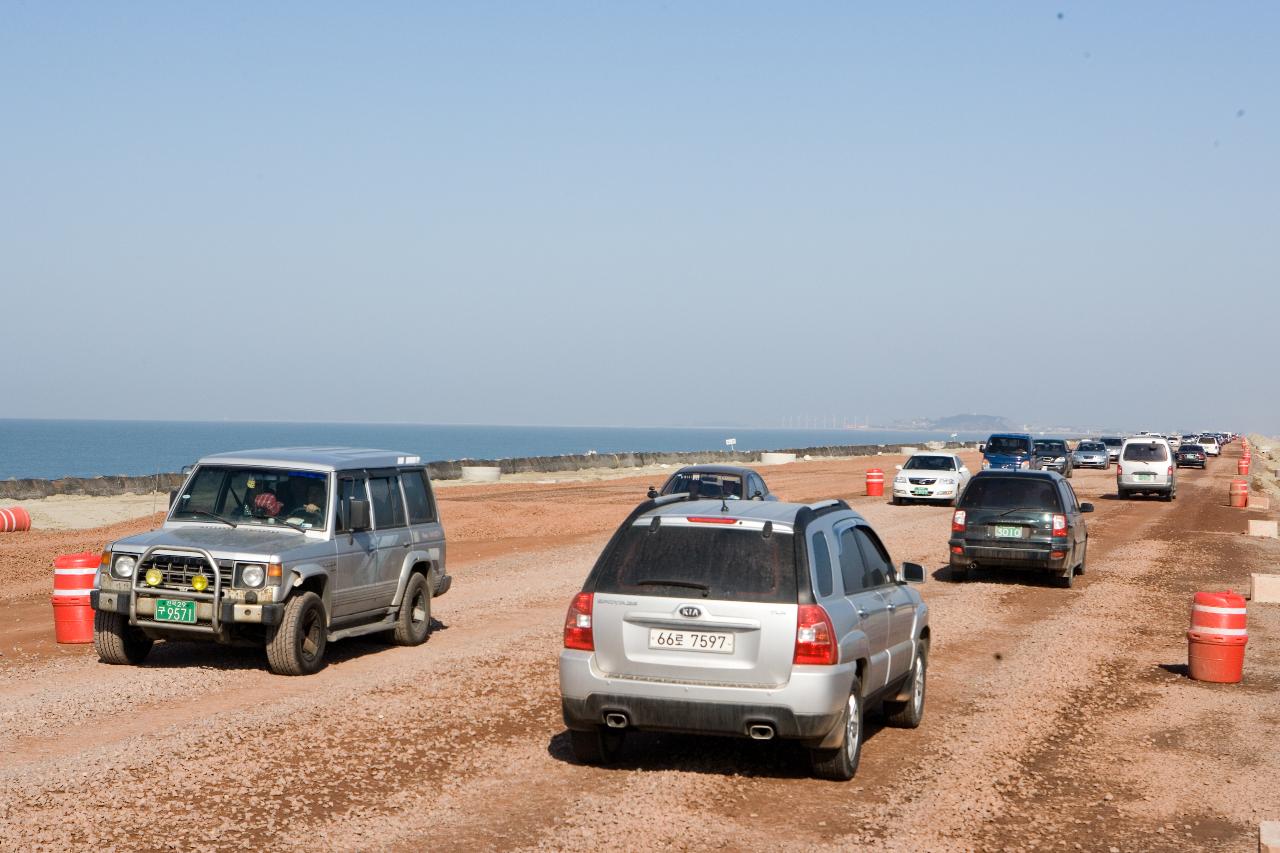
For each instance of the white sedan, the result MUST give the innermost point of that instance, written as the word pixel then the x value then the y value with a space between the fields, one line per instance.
pixel 930 477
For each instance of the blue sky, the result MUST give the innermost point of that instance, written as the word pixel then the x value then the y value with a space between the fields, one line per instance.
pixel 586 213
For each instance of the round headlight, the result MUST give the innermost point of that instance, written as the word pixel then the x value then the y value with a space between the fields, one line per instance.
pixel 200 583
pixel 252 575
pixel 123 566
pixel 154 577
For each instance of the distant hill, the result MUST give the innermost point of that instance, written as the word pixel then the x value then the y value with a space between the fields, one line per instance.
pixel 964 423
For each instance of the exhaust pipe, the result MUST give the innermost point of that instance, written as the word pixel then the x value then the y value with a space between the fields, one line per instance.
pixel 615 721
pixel 759 731
pixel 973 564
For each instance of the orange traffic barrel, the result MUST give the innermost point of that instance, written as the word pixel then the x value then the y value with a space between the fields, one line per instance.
pixel 72 582
pixel 1242 465
pixel 14 519
pixel 1216 641
pixel 1239 493
pixel 875 482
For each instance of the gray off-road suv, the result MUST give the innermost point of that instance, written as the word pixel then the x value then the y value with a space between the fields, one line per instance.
pixel 744 618
pixel 288 549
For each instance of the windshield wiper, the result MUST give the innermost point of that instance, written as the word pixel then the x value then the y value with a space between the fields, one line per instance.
pixel 706 590
pixel 1022 509
pixel 214 516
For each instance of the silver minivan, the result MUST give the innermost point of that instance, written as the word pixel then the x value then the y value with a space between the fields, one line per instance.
pixel 1146 466
pixel 746 619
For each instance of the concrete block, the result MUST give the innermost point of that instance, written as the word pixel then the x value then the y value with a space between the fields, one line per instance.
pixel 481 473
pixel 1259 501
pixel 907 451
pixel 1264 588
pixel 1265 529
pixel 1269 836
pixel 776 458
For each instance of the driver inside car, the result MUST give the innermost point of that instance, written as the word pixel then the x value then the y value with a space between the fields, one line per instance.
pixel 311 509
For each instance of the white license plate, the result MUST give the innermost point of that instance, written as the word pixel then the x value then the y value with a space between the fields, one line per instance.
pixel 691 641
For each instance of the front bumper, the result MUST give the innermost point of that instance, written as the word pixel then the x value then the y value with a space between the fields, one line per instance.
pixel 1091 463
pixel 808 707
pixel 934 492
pixel 230 612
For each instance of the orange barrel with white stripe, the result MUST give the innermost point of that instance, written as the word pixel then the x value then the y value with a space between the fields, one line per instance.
pixel 1239 493
pixel 72 582
pixel 1242 465
pixel 1216 641
pixel 14 519
pixel 875 483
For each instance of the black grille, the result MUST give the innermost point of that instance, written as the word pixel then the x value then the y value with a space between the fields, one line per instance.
pixel 923 481
pixel 179 569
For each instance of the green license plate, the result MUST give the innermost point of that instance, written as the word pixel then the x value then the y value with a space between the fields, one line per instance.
pixel 1008 531
pixel 920 490
pixel 175 610
pixel 1145 478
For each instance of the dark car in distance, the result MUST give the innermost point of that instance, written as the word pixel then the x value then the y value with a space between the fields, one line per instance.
pixel 1052 454
pixel 1020 520
pixel 709 482
pixel 1190 456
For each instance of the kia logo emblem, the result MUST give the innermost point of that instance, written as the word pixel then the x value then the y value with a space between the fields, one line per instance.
pixel 690 611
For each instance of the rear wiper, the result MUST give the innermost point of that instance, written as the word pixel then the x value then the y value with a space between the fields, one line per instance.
pixel 1021 509
pixel 706 590
pixel 214 516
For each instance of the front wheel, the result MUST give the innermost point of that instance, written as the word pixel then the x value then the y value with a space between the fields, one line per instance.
pixel 840 764
pixel 296 645
pixel 413 624
pixel 908 714
pixel 118 642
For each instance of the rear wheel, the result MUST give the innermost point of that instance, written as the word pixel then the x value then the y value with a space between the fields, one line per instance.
pixel 599 745
pixel 413 624
pixel 118 642
pixel 908 714
pixel 1067 578
pixel 296 645
pixel 840 764
pixel 960 574
pixel 1122 494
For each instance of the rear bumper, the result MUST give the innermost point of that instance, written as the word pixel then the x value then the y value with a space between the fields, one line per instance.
pixel 806 708
pixel 1025 555
pixel 1191 463
pixel 1158 486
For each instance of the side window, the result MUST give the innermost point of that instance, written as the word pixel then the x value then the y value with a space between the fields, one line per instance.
pixel 755 486
pixel 876 560
pixel 821 563
pixel 349 488
pixel 1069 498
pixel 388 509
pixel 417 497
pixel 852 569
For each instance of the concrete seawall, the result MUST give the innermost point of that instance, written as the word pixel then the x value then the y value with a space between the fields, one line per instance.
pixel 29 489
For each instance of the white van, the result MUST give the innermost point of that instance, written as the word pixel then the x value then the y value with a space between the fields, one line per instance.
pixel 1146 466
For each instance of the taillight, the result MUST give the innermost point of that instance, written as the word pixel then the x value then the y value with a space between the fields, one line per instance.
pixel 1059 525
pixel 957 522
pixel 577 624
pixel 1119 471
pixel 1170 471
pixel 815 637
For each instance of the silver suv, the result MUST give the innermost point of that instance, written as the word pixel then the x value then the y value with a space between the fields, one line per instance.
pixel 752 619
pixel 288 549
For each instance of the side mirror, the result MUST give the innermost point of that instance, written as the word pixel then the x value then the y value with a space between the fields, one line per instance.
pixel 897 467
pixel 1086 507
pixel 913 573
pixel 758 496
pixel 653 493
pixel 982 448
pixel 357 515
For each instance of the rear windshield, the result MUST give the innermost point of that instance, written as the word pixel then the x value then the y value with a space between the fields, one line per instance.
pixel 1154 452
pixel 1191 448
pixel 929 463
pixel 1006 444
pixel 1208 439
pixel 1010 493
pixel 706 561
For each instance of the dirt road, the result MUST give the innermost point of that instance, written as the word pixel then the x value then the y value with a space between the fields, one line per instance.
pixel 1056 719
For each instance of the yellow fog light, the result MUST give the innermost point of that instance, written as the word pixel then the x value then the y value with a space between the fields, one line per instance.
pixel 199 583
pixel 154 577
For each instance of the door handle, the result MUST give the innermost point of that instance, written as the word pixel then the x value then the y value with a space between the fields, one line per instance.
pixel 862 614
pixel 891 607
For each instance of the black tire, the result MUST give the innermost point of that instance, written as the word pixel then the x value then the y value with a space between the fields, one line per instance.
pixel 909 714
pixel 1122 494
pixel 1085 556
pixel 118 642
pixel 1066 579
pixel 413 623
pixel 840 764
pixel 897 501
pixel 600 745
pixel 296 645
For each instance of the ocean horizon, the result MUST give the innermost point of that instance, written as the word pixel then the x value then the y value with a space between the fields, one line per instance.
pixel 51 448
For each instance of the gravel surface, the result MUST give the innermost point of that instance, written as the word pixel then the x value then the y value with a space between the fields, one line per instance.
pixel 1056 719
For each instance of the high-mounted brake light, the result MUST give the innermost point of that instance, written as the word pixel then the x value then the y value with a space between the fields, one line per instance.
pixel 577 624
pixel 957 521
pixel 1059 525
pixel 815 637
pixel 707 519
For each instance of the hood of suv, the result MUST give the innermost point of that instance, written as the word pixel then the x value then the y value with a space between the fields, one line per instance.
pixel 244 541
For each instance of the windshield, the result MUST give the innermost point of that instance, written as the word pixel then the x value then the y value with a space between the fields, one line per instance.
pixel 1094 446
pixel 1007 444
pixel 1146 452
pixel 267 496
pixel 1112 442
pixel 730 564
pixel 930 463
pixel 1048 446
pixel 1011 493
pixel 706 485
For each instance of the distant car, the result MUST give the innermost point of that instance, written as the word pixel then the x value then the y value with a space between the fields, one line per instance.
pixel 1052 454
pixel 930 477
pixel 1113 443
pixel 731 482
pixel 1010 450
pixel 1022 520
pixel 1091 454
pixel 1190 456
pixel 1146 467
pixel 1210 444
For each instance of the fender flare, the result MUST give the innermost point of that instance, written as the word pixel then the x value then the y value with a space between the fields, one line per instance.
pixel 430 556
pixel 303 572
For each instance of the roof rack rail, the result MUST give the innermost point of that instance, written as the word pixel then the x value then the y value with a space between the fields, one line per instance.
pixel 829 505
